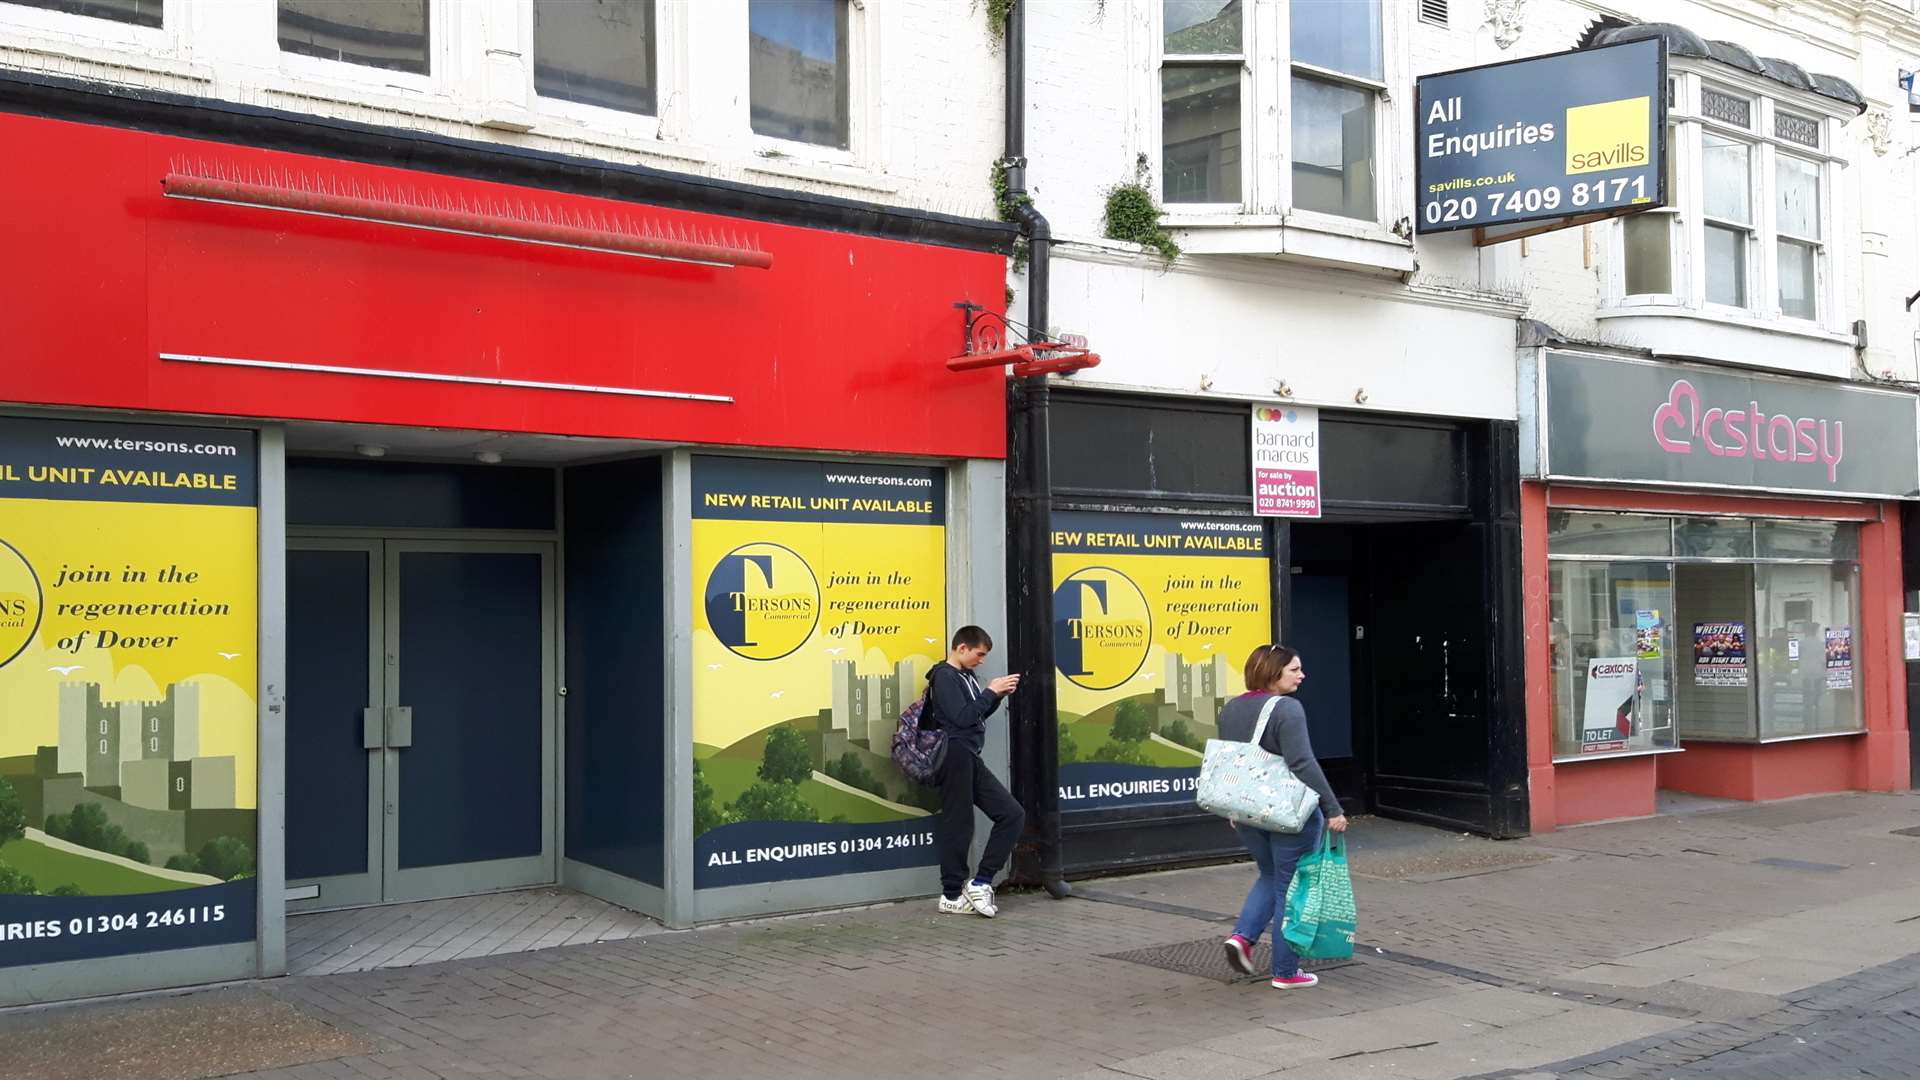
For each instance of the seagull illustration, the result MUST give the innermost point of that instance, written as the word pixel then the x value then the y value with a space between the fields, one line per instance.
pixel 1207 646
pixel 66 670
pixel 779 693
pixel 714 667
pixel 1147 675
pixel 932 640
pixel 229 655
pixel 835 652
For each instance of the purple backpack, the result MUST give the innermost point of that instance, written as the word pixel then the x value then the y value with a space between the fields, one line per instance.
pixel 919 753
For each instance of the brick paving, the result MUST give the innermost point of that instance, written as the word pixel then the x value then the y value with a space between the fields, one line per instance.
pixel 1655 948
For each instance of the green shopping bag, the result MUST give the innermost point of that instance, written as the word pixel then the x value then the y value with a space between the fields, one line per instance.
pixel 1320 918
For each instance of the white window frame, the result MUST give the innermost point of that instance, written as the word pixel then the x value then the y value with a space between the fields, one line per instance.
pixel 863 100
pixel 669 35
pixel 1687 206
pixel 1253 147
pixel 18 19
pixel 447 31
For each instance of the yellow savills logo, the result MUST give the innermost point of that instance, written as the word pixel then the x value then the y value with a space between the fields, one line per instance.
pixel 1609 135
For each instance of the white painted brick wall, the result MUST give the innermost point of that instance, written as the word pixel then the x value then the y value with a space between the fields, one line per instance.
pixel 928 88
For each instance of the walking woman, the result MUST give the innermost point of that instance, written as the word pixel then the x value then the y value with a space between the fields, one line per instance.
pixel 1274 670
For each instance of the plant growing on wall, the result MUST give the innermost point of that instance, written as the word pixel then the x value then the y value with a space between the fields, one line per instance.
pixel 1007 207
pixel 1132 215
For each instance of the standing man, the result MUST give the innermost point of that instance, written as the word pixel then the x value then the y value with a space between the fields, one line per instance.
pixel 961 706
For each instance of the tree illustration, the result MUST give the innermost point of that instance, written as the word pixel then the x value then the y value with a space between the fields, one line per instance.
pixel 767 801
pixel 88 827
pixel 1179 732
pixel 1132 722
pixel 1069 749
pixel 13 816
pixel 705 815
pixel 226 858
pixel 853 772
pixel 15 883
pixel 1116 752
pixel 786 759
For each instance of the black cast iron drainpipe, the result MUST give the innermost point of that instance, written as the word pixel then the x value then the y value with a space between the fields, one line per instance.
pixel 1035 733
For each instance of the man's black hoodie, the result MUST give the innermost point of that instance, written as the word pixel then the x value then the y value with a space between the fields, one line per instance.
pixel 961 705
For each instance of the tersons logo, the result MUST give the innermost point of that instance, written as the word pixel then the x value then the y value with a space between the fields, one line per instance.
pixel 1101 628
pixel 763 601
pixel 20 603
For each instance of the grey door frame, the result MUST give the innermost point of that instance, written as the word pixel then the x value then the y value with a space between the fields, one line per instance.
pixel 385 882
pixel 362 889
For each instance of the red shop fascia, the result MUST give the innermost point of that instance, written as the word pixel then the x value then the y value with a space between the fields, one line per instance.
pixel 1626 452
pixel 190 257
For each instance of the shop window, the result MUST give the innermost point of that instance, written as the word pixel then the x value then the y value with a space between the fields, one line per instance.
pixel 1714 608
pixel 1201 73
pixel 1609 534
pixel 798 70
pixel 596 52
pixel 1612 648
pixel 1734 629
pixel 1806 620
pixel 387 34
pixel 1713 538
pixel 131 12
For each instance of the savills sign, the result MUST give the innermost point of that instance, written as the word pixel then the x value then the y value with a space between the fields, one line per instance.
pixel 1615 419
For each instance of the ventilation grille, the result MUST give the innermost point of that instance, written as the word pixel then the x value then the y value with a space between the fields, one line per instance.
pixel 1434 11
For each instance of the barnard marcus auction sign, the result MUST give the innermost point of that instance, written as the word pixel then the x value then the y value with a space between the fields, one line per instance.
pixel 1562 136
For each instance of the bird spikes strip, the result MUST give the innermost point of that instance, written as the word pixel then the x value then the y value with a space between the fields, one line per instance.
pixel 502 218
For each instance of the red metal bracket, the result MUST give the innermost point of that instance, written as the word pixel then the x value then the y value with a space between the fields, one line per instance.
pixel 986 346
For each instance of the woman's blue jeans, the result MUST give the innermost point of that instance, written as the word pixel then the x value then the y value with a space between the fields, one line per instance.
pixel 1276 854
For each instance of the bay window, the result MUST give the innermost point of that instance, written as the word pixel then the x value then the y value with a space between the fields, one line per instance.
pixel 1265 109
pixel 1750 188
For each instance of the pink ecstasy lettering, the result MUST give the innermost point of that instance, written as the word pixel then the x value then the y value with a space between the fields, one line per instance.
pixel 1749 432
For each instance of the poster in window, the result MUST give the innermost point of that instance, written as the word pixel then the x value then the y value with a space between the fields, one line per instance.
pixel 129 581
pixel 1646 634
pixel 1720 654
pixel 1839 657
pixel 1613 689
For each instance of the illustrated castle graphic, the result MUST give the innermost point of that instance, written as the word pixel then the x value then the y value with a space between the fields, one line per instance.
pixel 866 708
pixel 1195 690
pixel 148 750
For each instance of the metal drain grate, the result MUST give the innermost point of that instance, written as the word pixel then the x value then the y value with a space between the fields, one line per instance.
pixel 1208 960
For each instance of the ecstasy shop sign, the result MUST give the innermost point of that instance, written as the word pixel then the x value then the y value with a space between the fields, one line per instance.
pixel 1286 461
pixel 1609 418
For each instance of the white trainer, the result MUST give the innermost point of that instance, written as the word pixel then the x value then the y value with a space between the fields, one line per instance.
pixel 959 906
pixel 981 898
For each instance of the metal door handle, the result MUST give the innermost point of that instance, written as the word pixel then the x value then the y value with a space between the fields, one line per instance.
pixel 399 726
pixel 372 729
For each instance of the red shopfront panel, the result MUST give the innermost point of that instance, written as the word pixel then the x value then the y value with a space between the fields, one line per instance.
pixel 839 346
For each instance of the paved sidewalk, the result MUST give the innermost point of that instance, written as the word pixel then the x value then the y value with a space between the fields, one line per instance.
pixel 1698 944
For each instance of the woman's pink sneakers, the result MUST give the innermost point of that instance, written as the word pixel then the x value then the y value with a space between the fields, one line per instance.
pixel 1299 981
pixel 1240 954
